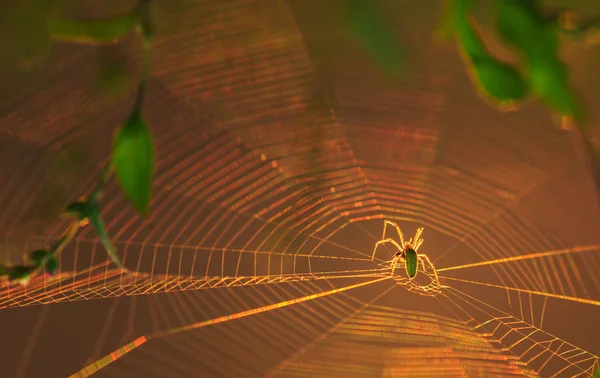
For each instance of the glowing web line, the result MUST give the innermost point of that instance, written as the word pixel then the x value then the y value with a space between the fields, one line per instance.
pixel 117 354
pixel 551 295
pixel 283 364
pixel 581 249
pixel 520 332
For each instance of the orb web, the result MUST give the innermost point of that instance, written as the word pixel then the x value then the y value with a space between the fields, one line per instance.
pixel 275 175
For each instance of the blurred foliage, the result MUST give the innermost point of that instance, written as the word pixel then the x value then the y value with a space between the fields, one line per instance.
pixel 367 23
pixel 93 32
pixel 522 25
pixel 133 147
pixel 23 34
pixel 533 33
pixel 498 82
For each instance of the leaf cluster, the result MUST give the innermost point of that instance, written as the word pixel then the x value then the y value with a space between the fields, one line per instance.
pixel 40 259
pixel 132 159
pixel 534 34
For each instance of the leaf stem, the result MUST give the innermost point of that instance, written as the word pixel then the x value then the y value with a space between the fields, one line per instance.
pixel 147 32
pixel 58 246
pixel 97 192
pixel 141 91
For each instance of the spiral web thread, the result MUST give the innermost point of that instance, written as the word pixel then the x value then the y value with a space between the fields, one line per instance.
pixel 264 220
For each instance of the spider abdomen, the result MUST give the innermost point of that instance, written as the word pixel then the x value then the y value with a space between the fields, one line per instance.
pixel 411 263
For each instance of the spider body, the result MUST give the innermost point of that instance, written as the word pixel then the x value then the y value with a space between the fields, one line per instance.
pixel 410 259
pixel 407 253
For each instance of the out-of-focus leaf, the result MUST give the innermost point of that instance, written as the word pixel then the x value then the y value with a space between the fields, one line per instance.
pixel 453 16
pixel 100 229
pixel 4 270
pixel 37 256
pixel 23 36
pixel 146 10
pixel 51 265
pixel 366 22
pixel 550 81
pixel 497 81
pixel 20 273
pixel 77 210
pixel 92 32
pixel 133 160
pixel 522 25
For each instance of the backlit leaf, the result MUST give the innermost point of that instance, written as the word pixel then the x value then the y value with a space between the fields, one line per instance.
pixel 37 256
pixel 52 265
pixel 453 14
pixel 498 82
pixel 133 160
pixel 522 25
pixel 92 32
pixel 100 229
pixel 367 23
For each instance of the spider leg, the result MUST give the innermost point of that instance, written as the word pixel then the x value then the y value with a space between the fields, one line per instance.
pixel 394 263
pixel 388 240
pixel 423 257
pixel 400 235
pixel 417 240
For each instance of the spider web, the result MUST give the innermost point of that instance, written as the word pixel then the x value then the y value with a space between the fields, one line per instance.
pixel 278 164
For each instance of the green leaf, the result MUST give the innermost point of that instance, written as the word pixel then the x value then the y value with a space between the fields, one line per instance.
pixel 367 23
pixel 100 229
pixel 454 15
pixel 52 265
pixel 522 25
pixel 499 82
pixel 37 256
pixel 92 32
pixel 4 270
pixel 551 83
pixel 133 160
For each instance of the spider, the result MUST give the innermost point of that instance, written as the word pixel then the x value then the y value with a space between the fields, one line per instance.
pixel 407 250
